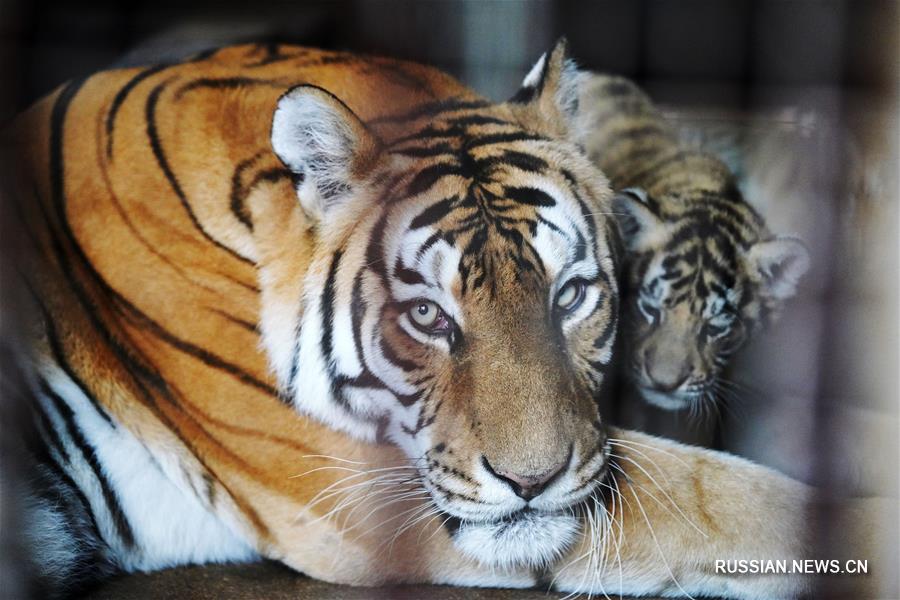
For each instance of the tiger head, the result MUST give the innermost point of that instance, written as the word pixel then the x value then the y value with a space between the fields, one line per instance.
pixel 700 282
pixel 462 302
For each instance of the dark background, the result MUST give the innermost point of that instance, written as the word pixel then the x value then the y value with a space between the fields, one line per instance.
pixel 710 51
pixel 803 92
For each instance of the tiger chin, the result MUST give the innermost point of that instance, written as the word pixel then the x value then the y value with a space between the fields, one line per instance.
pixel 342 312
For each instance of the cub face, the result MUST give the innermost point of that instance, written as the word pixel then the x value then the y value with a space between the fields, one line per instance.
pixel 700 284
pixel 462 303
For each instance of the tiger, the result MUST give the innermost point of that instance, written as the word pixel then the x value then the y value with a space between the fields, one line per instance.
pixel 344 313
pixel 703 274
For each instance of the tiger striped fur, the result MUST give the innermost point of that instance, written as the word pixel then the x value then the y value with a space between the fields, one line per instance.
pixel 342 312
pixel 703 272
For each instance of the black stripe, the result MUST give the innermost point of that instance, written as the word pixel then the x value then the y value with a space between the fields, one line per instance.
pixel 407 276
pixel 503 138
pixel 123 527
pixel 272 54
pixel 476 119
pixel 136 365
pixel 42 433
pixel 47 431
pixel 240 192
pixel 203 355
pixel 552 227
pixel 430 132
pixel 237 321
pixel 243 284
pixel 141 371
pixel 431 241
pixel 525 162
pixel 358 306
pixel 452 524
pixel 530 196
pixel 634 134
pixel 238 195
pixel 391 355
pixel 64 480
pixel 120 99
pixel 601 340
pixel 432 109
pixel 59 356
pixel 656 167
pixel 326 310
pixel 428 176
pixel 431 151
pixel 433 213
pixel 580 247
pixel 159 153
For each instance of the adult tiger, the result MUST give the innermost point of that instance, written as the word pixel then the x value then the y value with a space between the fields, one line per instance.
pixel 438 310
pixel 703 272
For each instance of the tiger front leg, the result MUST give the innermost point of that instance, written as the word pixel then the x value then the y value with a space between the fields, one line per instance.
pixel 671 515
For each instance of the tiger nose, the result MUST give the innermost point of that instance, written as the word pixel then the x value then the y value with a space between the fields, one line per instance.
pixel 665 375
pixel 527 486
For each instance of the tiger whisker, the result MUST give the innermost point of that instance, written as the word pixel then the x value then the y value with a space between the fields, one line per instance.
pixel 383 522
pixel 652 462
pixel 352 498
pixel 623 442
pixel 393 484
pixel 662 490
pixel 355 462
pixel 428 511
pixel 656 542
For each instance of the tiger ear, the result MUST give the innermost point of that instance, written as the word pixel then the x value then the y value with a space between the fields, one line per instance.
pixel 551 89
pixel 777 265
pixel 324 144
pixel 639 225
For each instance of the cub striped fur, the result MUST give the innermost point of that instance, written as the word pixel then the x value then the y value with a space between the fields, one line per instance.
pixel 703 272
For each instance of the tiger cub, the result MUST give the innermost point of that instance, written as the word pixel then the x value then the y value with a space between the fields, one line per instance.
pixel 704 273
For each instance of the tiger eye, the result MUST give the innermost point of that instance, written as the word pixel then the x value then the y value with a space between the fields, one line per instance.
pixel 425 314
pixel 571 295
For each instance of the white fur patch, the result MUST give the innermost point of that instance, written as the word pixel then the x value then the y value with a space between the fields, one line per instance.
pixel 534 75
pixel 171 524
pixel 532 540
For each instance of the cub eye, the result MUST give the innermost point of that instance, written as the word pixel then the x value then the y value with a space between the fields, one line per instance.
pixel 571 295
pixel 714 331
pixel 728 337
pixel 428 317
pixel 650 312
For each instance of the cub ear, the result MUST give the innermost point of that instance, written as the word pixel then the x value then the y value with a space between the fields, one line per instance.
pixel 777 265
pixel 551 89
pixel 324 144
pixel 640 226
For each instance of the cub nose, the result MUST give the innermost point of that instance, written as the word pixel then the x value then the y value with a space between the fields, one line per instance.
pixel 527 486
pixel 665 374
